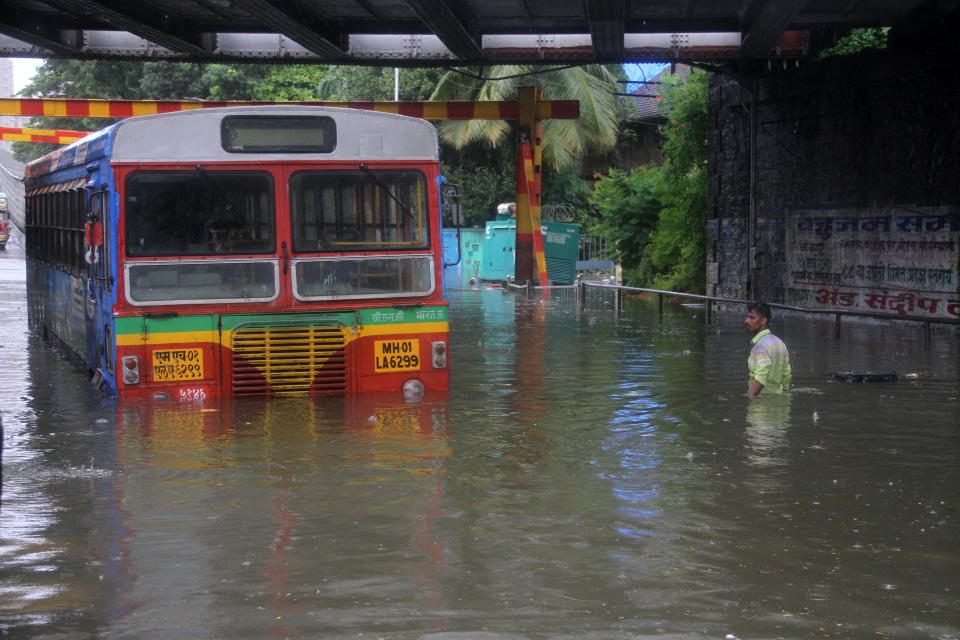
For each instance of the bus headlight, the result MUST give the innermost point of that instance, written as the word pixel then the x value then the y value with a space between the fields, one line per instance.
pixel 439 353
pixel 131 369
pixel 413 390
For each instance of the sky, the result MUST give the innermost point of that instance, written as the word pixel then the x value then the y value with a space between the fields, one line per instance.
pixel 643 71
pixel 23 71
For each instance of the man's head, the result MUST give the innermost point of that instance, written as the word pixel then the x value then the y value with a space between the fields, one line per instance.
pixel 758 316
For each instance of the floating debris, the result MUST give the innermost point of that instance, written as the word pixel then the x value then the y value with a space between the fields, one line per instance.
pixel 865 376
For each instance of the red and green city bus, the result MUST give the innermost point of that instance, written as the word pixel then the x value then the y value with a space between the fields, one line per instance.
pixel 243 251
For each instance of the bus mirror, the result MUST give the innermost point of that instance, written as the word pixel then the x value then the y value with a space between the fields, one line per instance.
pixel 93 234
pixel 451 202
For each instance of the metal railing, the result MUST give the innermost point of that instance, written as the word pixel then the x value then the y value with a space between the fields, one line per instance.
pixel 709 301
pixel 592 247
pixel 12 185
pixel 593 254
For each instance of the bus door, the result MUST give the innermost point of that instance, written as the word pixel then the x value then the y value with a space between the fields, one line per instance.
pixel 99 319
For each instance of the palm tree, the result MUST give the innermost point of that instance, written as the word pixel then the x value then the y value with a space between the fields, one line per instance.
pixel 594 86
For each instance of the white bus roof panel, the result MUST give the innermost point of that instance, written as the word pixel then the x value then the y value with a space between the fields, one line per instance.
pixel 194 136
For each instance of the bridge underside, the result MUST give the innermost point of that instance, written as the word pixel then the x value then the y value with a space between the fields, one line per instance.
pixel 446 32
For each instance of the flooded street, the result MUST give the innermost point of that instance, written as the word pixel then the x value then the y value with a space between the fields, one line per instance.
pixel 589 475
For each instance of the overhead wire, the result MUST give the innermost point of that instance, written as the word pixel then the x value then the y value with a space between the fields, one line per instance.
pixel 535 72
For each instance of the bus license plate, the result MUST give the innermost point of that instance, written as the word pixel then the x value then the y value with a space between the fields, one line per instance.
pixel 396 355
pixel 177 364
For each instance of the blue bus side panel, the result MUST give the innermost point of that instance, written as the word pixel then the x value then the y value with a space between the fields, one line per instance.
pixel 73 313
pixel 58 300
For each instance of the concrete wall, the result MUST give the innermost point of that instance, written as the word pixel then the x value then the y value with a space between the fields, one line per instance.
pixel 857 196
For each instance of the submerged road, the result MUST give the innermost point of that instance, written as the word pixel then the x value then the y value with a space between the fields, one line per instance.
pixel 589 475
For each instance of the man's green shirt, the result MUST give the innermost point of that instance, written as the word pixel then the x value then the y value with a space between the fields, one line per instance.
pixel 769 363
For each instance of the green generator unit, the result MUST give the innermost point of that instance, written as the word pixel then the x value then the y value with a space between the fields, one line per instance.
pixel 499 242
pixel 561 243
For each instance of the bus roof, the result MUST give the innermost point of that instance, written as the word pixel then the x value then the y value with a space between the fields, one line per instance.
pixel 194 136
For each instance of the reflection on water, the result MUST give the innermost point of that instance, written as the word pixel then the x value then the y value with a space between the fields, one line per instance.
pixel 768 420
pixel 589 474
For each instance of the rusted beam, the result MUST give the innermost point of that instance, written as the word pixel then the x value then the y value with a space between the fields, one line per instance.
pixel 606 20
pixel 38 33
pixel 772 18
pixel 141 21
pixel 440 18
pixel 283 17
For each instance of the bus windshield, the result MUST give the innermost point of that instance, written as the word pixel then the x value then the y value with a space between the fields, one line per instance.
pixel 362 210
pixel 194 213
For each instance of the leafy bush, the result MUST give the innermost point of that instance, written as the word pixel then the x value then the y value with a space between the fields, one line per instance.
pixel 656 216
pixel 485 176
pixel 628 212
pixel 858 40
pixel 678 247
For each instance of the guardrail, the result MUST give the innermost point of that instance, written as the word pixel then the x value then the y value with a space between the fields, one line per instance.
pixel 838 314
pixel 12 185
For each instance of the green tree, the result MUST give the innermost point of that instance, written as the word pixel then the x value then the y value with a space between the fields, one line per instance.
pixel 121 80
pixel 485 176
pixel 376 83
pixel 628 216
pixel 291 82
pixel 656 216
pixel 231 82
pixel 593 86
pixel 565 186
pixel 111 80
pixel 856 41
pixel 677 249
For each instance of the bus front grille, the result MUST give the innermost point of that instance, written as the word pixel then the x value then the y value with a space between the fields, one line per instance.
pixel 288 361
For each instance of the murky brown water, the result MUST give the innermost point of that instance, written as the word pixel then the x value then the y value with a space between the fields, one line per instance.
pixel 589 475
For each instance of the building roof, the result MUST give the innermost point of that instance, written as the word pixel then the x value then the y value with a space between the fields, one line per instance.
pixel 646 97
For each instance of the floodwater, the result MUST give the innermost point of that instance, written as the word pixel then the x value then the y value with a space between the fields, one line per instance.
pixel 589 475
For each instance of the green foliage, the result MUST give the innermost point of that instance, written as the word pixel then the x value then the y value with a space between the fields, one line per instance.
pixel 677 249
pixel 75 79
pixel 376 83
pixel 656 216
pixel 628 214
pixel 292 82
pixel 858 40
pixel 565 186
pixel 485 176
pixel 114 80
pixel 229 82
pixel 563 140
pixel 167 80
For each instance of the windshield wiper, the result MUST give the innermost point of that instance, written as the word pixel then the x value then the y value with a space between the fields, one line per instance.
pixel 373 176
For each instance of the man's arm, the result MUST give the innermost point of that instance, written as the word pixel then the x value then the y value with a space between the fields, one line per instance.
pixel 762 362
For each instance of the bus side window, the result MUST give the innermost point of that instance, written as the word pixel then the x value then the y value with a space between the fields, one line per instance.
pixel 99 213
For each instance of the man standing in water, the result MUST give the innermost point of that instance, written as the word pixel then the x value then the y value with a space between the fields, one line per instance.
pixel 769 361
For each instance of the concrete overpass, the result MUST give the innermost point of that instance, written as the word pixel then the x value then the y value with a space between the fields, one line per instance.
pixel 449 32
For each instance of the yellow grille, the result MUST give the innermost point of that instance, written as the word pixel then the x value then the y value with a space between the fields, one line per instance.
pixel 288 361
